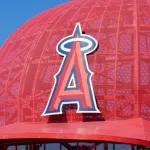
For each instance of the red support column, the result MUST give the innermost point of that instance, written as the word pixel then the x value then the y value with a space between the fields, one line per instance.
pixel 66 145
pixel 94 146
pixel 33 147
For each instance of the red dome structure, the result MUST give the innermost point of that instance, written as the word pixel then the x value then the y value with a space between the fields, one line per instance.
pixel 121 66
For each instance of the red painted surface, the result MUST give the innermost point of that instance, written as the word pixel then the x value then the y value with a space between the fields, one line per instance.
pixel 133 131
pixel 121 66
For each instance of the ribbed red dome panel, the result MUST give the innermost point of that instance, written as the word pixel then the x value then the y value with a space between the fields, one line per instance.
pixel 121 65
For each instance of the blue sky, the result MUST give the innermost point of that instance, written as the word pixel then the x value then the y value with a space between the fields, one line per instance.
pixel 14 13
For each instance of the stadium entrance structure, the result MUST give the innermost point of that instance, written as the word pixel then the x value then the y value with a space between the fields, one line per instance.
pixel 121 80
